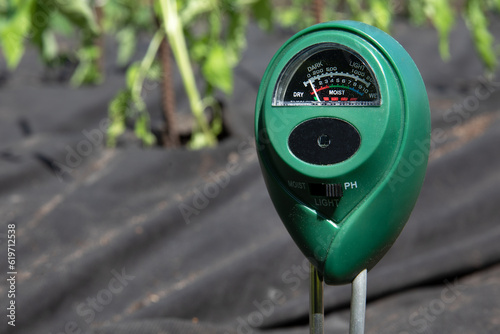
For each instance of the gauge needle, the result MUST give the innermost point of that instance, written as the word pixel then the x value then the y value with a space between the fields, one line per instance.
pixel 314 89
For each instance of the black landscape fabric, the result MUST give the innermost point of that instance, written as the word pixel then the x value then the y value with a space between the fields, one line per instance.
pixel 134 240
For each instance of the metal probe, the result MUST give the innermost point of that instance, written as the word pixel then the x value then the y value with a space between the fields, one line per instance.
pixel 316 314
pixel 358 303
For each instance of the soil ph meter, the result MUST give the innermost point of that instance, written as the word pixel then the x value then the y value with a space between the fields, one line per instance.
pixel 342 127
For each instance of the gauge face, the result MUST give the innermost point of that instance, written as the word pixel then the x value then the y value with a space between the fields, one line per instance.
pixel 327 74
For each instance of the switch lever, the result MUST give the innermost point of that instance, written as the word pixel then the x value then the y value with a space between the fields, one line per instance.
pixel 333 190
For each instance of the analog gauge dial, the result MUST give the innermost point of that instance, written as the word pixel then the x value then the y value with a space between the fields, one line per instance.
pixel 327 74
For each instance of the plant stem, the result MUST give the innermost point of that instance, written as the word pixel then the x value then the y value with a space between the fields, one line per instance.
pixel 317 8
pixel 175 34
pixel 146 64
pixel 170 133
pixel 99 13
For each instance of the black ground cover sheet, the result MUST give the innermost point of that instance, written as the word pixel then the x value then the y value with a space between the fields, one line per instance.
pixel 134 240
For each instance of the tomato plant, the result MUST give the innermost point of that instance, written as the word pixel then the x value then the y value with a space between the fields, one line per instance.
pixel 205 38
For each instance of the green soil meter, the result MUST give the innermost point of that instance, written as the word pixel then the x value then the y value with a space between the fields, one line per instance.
pixel 342 127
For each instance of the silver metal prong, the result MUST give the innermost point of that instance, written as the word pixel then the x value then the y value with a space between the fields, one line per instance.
pixel 358 304
pixel 316 310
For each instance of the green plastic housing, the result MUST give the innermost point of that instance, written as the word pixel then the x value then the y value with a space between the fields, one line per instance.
pixel 380 182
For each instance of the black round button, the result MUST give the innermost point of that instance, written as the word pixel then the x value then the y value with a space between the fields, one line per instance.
pixel 324 141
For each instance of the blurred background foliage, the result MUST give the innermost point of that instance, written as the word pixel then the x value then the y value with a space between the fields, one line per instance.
pixel 204 39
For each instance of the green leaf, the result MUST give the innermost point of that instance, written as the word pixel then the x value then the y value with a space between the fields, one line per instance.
pixel 442 16
pixel 61 24
pixel 198 49
pixel 50 47
pixel 298 14
pixel 117 15
pixel 199 140
pixel 382 13
pixel 12 46
pixel 195 8
pixel 155 72
pixel 13 30
pixel 127 43
pixel 115 130
pixel 87 71
pixel 79 13
pixel 142 130
pixel 41 12
pixel 288 16
pixel 117 111
pixel 494 4
pixel 236 36
pixel 416 11
pixel 217 70
pixel 215 24
pixel 477 22
pixel 4 6
pixel 217 123
pixel 263 13
pixel 132 73
pixel 358 13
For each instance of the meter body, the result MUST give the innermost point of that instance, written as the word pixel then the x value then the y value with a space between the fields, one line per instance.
pixel 342 128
